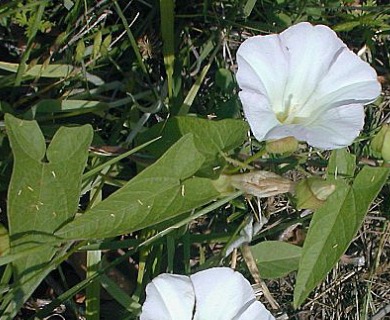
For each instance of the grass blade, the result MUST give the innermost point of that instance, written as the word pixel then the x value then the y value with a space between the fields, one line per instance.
pixel 167 31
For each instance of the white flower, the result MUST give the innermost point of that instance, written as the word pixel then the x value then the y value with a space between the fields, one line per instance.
pixel 212 294
pixel 305 83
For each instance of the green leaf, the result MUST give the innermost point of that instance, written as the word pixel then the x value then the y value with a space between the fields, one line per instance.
pixel 97 43
pixel 341 164
pixel 333 227
pixel 276 259
pixel 4 240
pixel 50 71
pixel 43 194
pixel 347 26
pixel 230 109
pixel 210 137
pixel 80 51
pixel 68 4
pixel 249 7
pixel 53 105
pixel 106 45
pixel 192 93
pixel 224 79
pixel 162 191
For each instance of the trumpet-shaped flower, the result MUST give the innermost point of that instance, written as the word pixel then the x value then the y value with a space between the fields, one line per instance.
pixel 216 293
pixel 305 83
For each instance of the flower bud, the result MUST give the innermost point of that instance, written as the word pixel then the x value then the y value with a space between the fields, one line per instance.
pixel 262 183
pixel 380 144
pixel 311 193
pixel 281 146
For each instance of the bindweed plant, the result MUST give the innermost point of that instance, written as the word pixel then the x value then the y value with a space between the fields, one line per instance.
pixel 147 146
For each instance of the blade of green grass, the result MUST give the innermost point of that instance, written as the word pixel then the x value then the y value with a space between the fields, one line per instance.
pixel 249 7
pixel 171 253
pixel 133 42
pixel 92 302
pixel 116 159
pixel 119 295
pixel 167 31
pixel 26 54
pixel 94 258
pixel 188 101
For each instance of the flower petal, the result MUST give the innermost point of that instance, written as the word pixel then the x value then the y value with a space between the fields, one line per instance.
pixel 349 80
pixel 312 51
pixel 169 297
pixel 263 67
pixel 260 116
pixel 256 311
pixel 221 293
pixel 280 131
pixel 335 128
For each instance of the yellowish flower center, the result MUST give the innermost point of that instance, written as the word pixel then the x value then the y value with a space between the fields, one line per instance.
pixel 289 115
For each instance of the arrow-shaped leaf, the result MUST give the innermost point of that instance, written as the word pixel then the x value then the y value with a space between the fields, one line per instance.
pixel 162 191
pixel 43 194
pixel 333 227
pixel 211 138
